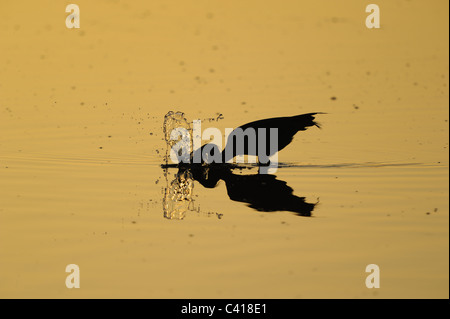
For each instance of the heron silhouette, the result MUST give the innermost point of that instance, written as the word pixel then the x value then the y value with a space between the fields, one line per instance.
pixel 263 192
pixel 262 137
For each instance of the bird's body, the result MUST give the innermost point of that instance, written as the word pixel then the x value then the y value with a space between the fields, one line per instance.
pixel 262 138
pixel 286 128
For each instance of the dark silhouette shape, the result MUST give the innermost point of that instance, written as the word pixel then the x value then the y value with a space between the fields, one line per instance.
pixel 262 192
pixel 286 127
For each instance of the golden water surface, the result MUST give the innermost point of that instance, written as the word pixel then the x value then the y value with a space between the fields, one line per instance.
pixel 81 148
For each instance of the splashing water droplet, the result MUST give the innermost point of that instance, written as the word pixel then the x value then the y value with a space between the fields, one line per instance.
pixel 174 120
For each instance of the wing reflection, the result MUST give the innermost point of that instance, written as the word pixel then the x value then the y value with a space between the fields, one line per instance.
pixel 262 192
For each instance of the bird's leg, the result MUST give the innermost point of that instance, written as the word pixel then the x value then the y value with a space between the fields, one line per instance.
pixel 263 168
pixel 267 168
pixel 263 164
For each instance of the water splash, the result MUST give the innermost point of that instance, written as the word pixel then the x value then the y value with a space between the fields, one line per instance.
pixel 178 195
pixel 173 120
pixel 177 198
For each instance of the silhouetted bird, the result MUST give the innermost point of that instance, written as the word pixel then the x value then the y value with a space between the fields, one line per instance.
pixel 286 127
pixel 257 138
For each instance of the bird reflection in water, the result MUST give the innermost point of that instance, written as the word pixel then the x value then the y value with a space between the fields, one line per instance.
pixel 262 192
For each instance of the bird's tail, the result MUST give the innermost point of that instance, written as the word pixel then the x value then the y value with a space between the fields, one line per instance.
pixel 304 121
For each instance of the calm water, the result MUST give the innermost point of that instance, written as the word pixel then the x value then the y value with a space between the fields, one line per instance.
pixel 82 143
